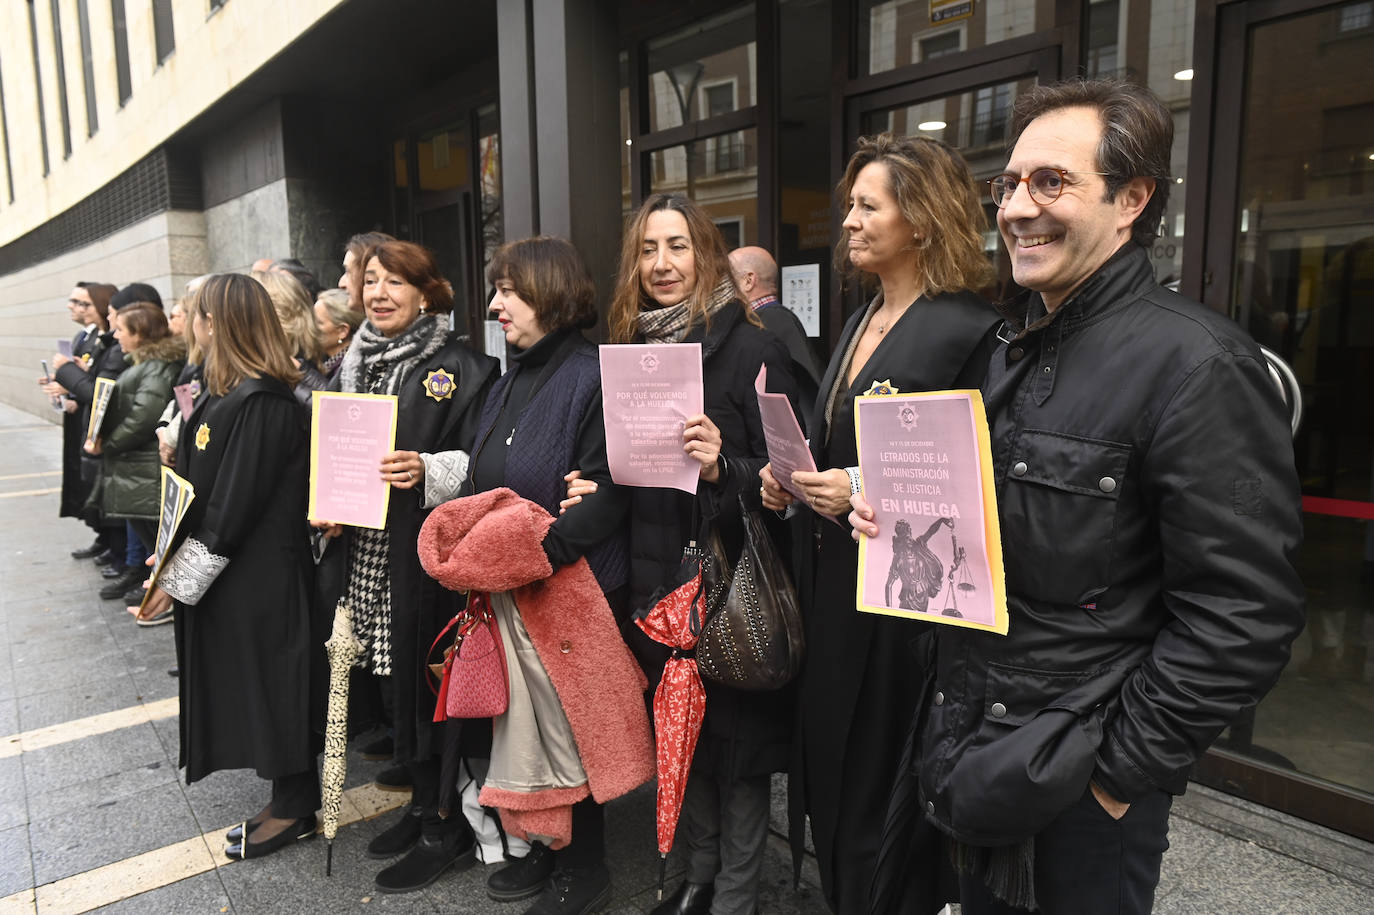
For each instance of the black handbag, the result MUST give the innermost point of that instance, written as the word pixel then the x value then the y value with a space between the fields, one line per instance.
pixel 754 640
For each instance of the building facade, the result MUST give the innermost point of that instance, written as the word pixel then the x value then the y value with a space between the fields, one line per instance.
pixel 158 140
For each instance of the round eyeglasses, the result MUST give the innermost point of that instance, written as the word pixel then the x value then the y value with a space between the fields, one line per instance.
pixel 1045 185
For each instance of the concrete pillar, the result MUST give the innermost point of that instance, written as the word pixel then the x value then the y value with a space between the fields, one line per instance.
pixel 560 127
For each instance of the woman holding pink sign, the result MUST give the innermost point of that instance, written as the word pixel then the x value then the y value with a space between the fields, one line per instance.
pixel 675 286
pixel 914 224
pixel 406 348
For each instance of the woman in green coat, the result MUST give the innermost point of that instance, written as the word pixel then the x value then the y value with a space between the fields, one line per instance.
pixel 127 444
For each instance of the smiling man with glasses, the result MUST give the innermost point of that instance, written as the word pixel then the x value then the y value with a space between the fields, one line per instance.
pixel 1149 514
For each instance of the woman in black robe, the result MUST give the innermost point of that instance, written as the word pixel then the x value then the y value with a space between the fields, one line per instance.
pixel 914 222
pixel 238 571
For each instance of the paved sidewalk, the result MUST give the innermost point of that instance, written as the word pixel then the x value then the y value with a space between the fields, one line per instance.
pixel 94 815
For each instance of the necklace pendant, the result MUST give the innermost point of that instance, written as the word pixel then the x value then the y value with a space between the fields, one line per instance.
pixel 511 436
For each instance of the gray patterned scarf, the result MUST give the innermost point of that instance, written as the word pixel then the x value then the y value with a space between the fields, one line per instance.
pixel 375 364
pixel 672 324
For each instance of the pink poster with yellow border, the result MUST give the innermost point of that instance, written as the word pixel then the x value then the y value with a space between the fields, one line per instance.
pixel 926 467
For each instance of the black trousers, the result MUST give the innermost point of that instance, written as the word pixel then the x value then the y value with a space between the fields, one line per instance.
pixel 588 846
pixel 1087 863
pixel 296 796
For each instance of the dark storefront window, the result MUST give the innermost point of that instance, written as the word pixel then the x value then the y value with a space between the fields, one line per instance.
pixel 702 71
pixel 898 33
pixel 696 82
pixel 489 181
pixel 453 204
pixel 721 174
pixel 1303 285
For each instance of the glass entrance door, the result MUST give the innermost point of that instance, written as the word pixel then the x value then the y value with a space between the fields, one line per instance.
pixel 1295 224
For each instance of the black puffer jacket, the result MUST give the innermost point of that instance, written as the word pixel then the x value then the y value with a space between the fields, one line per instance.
pixel 1150 513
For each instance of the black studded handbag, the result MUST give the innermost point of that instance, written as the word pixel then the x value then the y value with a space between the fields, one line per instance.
pixel 754 639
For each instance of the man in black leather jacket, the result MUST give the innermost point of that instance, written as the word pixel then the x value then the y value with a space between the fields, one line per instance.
pixel 1149 512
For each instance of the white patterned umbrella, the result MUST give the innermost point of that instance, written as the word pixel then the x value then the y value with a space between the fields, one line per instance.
pixel 343 648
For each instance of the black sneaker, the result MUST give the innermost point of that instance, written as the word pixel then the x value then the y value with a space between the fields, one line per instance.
pixel 121 583
pixel 574 891
pixel 430 859
pixel 393 778
pixel 524 877
pixel 398 838
pixel 89 552
pixel 105 557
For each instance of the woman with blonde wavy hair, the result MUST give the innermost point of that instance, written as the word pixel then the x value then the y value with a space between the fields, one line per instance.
pixel 296 314
pixel 913 228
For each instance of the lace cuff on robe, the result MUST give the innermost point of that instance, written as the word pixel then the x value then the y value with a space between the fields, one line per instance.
pixel 445 474
pixel 191 572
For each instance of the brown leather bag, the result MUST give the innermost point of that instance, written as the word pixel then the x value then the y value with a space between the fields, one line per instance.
pixel 754 640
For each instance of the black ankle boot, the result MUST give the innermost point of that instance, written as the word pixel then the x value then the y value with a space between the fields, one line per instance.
pixel 398 838
pixel 433 856
pixel 574 891
pixel 523 877
pixel 688 899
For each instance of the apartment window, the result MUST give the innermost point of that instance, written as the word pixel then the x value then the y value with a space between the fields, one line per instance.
pixel 1104 20
pixel 121 37
pixel 939 44
pixel 5 141
pixel 61 80
pixel 83 23
pixel 38 85
pixel 163 39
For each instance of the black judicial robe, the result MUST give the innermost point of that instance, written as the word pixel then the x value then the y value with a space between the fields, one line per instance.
pixel 860 680
pixel 252 667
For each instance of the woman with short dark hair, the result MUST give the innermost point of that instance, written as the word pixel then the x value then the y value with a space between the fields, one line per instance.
pixel 542 420
pixel 251 665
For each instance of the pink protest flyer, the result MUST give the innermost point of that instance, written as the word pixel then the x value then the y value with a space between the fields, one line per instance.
pixel 787 449
pixel 648 391
pixel 927 471
pixel 186 395
pixel 349 433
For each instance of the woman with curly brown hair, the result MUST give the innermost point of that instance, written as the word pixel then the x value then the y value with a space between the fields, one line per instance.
pixel 405 348
pixel 913 227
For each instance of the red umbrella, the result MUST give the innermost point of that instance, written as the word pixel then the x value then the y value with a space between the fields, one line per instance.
pixel 679 702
